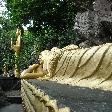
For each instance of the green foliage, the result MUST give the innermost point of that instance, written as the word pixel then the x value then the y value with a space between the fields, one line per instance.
pixel 50 24
pixel 55 13
pixel 58 14
pixel 28 54
pixel 28 51
pixel 51 21
pixel 6 32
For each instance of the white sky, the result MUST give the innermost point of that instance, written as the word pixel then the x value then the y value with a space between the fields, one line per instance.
pixel 2 7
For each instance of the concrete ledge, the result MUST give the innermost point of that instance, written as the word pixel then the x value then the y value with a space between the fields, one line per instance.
pixel 35 100
pixel 10 83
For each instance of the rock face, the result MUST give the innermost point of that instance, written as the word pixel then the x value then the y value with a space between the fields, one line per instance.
pixel 95 26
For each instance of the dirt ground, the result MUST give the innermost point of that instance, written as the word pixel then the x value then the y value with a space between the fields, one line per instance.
pixel 6 105
pixel 12 108
pixel 79 99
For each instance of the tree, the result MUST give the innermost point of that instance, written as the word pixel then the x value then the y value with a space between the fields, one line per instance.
pixel 6 32
pixel 50 24
pixel 28 53
pixel 51 21
pixel 58 14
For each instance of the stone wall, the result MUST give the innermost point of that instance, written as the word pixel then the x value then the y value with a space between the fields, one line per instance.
pixel 90 24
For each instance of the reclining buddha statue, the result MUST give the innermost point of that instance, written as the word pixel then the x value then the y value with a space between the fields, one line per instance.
pixel 91 67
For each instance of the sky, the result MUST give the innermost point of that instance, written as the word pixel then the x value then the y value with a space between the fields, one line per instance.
pixel 2 7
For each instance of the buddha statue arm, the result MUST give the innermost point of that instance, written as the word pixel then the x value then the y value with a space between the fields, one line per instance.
pixel 34 71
